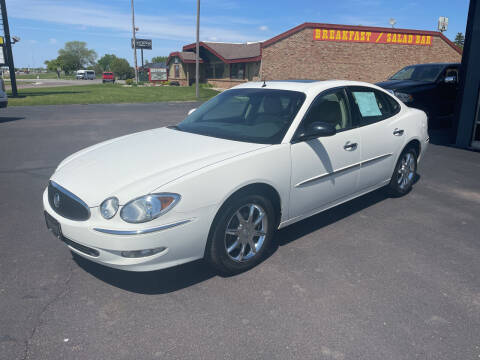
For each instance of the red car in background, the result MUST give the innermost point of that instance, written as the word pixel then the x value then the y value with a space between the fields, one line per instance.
pixel 108 77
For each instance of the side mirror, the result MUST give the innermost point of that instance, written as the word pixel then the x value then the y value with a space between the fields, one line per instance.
pixel 191 111
pixel 317 129
pixel 450 79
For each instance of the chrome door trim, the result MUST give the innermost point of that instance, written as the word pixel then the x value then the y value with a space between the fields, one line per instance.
pixel 318 177
pixel 143 231
pixel 376 158
pixel 359 164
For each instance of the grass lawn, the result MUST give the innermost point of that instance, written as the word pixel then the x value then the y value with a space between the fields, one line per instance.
pixel 105 94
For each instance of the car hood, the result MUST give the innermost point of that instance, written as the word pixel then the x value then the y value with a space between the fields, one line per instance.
pixel 136 164
pixel 402 84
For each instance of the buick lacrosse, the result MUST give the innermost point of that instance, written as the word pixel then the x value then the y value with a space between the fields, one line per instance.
pixel 251 160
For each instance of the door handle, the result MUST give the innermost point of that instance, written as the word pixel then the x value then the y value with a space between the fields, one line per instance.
pixel 398 132
pixel 350 146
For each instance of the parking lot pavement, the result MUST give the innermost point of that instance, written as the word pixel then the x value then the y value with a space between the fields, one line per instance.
pixel 376 278
pixel 34 83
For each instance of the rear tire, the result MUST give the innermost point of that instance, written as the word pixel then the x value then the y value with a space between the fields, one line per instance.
pixel 404 174
pixel 241 234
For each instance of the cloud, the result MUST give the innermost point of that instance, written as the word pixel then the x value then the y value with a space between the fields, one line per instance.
pixel 52 41
pixel 32 41
pixel 263 28
pixel 167 27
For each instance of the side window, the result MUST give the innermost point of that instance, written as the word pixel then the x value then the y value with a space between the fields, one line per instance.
pixel 372 105
pixel 330 108
pixel 452 72
pixel 394 105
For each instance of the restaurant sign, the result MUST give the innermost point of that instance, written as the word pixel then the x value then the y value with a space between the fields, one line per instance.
pixel 371 37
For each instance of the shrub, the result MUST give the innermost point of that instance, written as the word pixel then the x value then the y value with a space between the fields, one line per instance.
pixel 129 81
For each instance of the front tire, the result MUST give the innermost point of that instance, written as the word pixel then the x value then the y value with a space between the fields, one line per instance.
pixel 404 174
pixel 242 233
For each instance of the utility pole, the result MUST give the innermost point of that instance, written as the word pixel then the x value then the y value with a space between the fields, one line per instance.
pixel 197 55
pixel 8 48
pixel 134 44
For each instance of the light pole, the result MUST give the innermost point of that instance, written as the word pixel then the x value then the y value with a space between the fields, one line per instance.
pixel 8 48
pixel 134 44
pixel 197 56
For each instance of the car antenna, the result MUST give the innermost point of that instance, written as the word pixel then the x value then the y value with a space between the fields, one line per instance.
pixel 264 83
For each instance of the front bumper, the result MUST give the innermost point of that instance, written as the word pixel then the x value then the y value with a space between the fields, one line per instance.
pixel 3 103
pixel 183 238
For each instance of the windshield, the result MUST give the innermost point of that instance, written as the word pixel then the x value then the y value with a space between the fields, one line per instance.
pixel 418 73
pixel 251 115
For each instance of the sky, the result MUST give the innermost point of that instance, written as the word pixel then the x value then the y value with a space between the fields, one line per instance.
pixel 105 25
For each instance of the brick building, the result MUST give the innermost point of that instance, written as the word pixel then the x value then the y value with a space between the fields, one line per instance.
pixel 372 54
pixel 321 51
pixel 222 64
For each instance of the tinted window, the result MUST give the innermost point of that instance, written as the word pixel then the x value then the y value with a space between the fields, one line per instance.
pixel 330 108
pixel 372 105
pixel 252 115
pixel 419 73
pixel 452 72
pixel 393 104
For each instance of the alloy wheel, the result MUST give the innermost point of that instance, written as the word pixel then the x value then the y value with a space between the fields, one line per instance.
pixel 406 171
pixel 246 232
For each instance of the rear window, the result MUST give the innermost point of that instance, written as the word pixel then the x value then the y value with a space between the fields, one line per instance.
pixel 109 74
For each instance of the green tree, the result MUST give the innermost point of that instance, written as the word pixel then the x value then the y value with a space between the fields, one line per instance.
pixel 54 65
pixel 459 40
pixel 76 52
pixel 122 69
pixel 159 59
pixel 69 62
pixel 105 62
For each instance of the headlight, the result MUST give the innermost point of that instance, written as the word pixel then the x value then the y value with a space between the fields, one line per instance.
pixel 405 98
pixel 148 207
pixel 109 207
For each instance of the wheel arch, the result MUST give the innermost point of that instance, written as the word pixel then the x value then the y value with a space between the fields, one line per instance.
pixel 257 188
pixel 415 144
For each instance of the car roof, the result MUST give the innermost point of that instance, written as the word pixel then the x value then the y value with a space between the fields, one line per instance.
pixel 306 86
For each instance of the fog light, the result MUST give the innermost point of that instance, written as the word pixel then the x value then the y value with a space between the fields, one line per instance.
pixel 142 253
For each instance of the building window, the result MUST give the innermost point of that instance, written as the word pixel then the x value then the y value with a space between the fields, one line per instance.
pixel 177 71
pixel 237 71
pixel 215 70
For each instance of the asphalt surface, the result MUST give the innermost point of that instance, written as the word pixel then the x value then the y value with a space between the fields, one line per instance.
pixel 35 83
pixel 376 278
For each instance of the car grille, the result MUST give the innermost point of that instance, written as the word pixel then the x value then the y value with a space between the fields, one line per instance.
pixel 66 204
pixel 82 248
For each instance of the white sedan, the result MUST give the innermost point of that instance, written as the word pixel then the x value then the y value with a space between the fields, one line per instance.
pixel 253 159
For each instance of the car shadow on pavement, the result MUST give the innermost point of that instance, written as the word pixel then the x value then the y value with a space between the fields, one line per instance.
pixel 325 218
pixel 152 282
pixel 9 119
